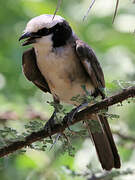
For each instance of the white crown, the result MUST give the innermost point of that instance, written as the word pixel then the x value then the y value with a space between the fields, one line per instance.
pixel 42 21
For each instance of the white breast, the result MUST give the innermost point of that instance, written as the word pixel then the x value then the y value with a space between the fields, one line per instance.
pixel 62 70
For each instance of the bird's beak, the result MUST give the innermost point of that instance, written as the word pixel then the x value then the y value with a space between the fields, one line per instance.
pixel 30 38
pixel 25 35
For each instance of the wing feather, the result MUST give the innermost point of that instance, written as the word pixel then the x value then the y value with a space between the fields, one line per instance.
pixel 91 65
pixel 31 70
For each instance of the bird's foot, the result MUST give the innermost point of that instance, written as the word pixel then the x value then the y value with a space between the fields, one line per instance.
pixel 70 116
pixel 56 139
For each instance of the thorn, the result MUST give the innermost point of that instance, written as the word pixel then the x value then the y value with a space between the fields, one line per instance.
pixel 91 5
pixel 57 8
pixel 115 12
pixel 119 83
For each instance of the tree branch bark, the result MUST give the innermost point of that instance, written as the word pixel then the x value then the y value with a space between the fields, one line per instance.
pixel 82 115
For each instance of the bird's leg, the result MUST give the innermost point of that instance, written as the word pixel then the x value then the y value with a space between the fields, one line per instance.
pixel 50 125
pixel 51 122
pixel 69 117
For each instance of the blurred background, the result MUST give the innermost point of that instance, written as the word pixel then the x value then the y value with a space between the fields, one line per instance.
pixel 21 103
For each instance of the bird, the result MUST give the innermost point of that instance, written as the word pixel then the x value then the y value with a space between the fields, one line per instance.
pixel 60 63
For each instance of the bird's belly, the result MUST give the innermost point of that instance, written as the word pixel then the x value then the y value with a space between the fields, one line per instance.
pixel 65 76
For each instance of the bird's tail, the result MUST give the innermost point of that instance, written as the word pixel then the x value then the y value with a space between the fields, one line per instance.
pixel 104 143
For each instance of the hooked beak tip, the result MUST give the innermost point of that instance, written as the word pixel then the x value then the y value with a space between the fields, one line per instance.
pixel 25 35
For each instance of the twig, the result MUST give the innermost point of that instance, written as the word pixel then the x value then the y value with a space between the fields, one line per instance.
pixel 82 115
pixel 124 137
pixel 111 175
pixel 104 176
pixel 99 175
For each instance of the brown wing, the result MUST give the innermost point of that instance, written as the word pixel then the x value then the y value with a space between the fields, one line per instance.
pixel 91 65
pixel 31 70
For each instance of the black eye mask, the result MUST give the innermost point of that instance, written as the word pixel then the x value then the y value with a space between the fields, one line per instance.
pixel 43 32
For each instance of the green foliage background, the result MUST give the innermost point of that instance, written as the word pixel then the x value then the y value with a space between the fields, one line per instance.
pixel 114 45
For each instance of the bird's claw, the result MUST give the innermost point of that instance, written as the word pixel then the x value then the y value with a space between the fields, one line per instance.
pixel 70 116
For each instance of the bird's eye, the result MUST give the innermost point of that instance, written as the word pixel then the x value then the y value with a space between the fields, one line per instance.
pixel 43 32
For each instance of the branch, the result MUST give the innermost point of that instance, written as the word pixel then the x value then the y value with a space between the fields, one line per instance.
pixel 98 175
pixel 129 141
pixel 125 137
pixel 82 115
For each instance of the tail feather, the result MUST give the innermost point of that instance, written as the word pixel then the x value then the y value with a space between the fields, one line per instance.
pixel 104 144
pixel 107 130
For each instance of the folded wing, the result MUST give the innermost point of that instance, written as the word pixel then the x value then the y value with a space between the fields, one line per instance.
pixel 31 70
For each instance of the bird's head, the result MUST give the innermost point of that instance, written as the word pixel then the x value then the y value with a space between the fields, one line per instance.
pixel 45 27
